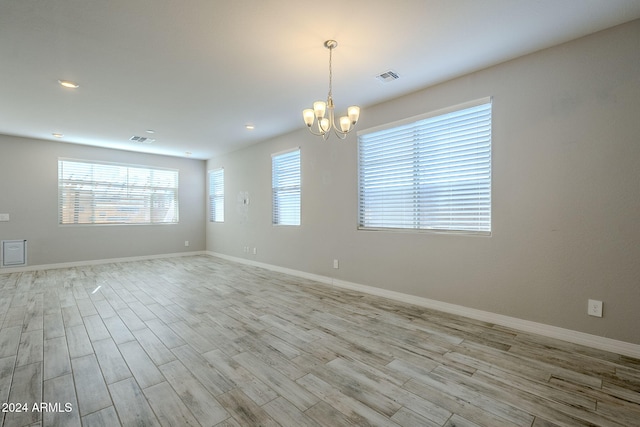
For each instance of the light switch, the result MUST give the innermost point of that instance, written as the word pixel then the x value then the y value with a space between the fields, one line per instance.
pixel 4 217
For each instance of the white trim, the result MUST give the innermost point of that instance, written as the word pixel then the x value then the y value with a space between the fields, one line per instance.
pixel 594 341
pixel 322 279
pixel 568 335
pixel 10 270
pixel 288 150
pixel 100 162
pixel 441 111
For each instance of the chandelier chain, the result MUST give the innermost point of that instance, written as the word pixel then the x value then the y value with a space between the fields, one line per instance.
pixel 330 71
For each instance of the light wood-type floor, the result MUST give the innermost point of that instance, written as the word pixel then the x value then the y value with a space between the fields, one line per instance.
pixel 203 341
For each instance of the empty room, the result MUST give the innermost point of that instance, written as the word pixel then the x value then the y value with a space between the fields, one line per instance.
pixel 295 213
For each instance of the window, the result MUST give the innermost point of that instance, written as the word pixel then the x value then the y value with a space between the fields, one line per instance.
pixel 109 193
pixel 428 173
pixel 285 184
pixel 216 195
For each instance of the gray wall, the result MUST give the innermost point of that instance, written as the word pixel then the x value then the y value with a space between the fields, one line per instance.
pixel 29 191
pixel 566 196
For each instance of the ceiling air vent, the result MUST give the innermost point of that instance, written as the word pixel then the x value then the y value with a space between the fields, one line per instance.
pixel 388 76
pixel 141 139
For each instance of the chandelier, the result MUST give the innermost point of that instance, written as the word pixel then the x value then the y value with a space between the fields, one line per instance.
pixel 321 108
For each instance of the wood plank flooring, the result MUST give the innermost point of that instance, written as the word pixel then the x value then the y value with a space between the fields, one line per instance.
pixel 200 341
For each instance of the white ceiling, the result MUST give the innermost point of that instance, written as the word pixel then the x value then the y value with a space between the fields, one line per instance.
pixel 197 71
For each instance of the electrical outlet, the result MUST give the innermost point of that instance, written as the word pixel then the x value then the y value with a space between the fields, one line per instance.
pixel 595 308
pixel 336 264
pixel 186 243
pixel 255 251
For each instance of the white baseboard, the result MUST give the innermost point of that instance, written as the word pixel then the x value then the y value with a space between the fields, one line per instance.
pixel 8 270
pixel 581 338
pixel 594 341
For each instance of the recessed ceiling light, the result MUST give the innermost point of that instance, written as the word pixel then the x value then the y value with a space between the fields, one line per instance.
pixel 249 127
pixel 57 135
pixel 150 131
pixel 69 84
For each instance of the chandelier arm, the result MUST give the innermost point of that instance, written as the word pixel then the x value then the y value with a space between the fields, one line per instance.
pixel 340 134
pixel 337 131
pixel 335 128
pixel 315 133
pixel 330 118
pixel 324 133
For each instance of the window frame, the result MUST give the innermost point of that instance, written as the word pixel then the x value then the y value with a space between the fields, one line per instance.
pixel 214 198
pixel 99 192
pixel 417 192
pixel 294 185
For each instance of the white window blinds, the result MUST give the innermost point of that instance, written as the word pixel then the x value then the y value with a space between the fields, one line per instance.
pixel 108 193
pixel 285 184
pixel 432 173
pixel 216 195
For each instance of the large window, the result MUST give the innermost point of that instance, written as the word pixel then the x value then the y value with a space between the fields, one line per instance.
pixel 428 173
pixel 108 193
pixel 285 185
pixel 216 195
